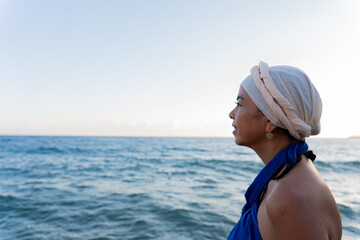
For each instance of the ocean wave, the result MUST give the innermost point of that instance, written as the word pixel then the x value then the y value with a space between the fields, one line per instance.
pixel 45 150
pixel 343 167
pixel 55 150
pixel 347 211
pixel 5 139
pixel 350 229
pixel 182 149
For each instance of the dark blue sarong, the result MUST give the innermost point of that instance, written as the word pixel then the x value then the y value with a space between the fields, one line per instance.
pixel 247 227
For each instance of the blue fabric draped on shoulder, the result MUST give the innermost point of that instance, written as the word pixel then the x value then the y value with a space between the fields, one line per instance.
pixel 247 227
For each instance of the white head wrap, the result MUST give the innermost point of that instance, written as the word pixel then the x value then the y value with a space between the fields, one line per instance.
pixel 287 97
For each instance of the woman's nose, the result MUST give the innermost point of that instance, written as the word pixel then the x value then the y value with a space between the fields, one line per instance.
pixel 231 114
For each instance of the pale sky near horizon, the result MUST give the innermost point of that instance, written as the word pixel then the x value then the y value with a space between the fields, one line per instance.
pixel 167 68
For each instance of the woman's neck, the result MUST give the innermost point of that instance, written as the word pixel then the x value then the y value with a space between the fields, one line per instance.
pixel 269 148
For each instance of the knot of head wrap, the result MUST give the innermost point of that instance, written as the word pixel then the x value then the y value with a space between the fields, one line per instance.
pixel 286 97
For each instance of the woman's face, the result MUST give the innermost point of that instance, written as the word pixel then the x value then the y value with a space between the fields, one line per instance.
pixel 248 121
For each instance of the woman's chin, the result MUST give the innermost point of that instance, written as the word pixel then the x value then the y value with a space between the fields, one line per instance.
pixel 238 141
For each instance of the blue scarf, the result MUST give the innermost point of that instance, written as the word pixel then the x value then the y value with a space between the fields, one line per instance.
pixel 247 227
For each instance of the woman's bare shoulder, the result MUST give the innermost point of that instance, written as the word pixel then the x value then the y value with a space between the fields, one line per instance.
pixel 301 206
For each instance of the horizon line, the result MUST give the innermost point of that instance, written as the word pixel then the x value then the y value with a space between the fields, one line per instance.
pixel 146 136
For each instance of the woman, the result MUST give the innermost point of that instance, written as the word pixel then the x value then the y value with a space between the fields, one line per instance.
pixel 277 108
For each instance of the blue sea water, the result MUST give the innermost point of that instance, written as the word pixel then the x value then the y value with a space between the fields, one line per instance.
pixel 146 188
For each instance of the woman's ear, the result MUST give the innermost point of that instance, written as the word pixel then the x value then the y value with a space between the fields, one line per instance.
pixel 270 127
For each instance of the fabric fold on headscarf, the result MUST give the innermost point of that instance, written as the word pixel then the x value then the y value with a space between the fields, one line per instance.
pixel 287 97
pixel 247 227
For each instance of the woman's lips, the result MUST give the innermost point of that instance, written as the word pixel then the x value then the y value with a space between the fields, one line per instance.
pixel 234 129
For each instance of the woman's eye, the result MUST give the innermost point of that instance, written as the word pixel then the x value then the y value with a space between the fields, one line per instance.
pixel 237 103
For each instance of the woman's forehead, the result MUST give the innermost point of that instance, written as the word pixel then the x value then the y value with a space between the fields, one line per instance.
pixel 242 94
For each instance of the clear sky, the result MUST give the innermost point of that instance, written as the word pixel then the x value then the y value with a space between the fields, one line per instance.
pixel 167 68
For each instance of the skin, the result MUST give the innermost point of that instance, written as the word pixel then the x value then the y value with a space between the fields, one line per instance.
pixel 297 206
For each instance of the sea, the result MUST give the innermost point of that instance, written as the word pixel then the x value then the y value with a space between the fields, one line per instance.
pixel 145 187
